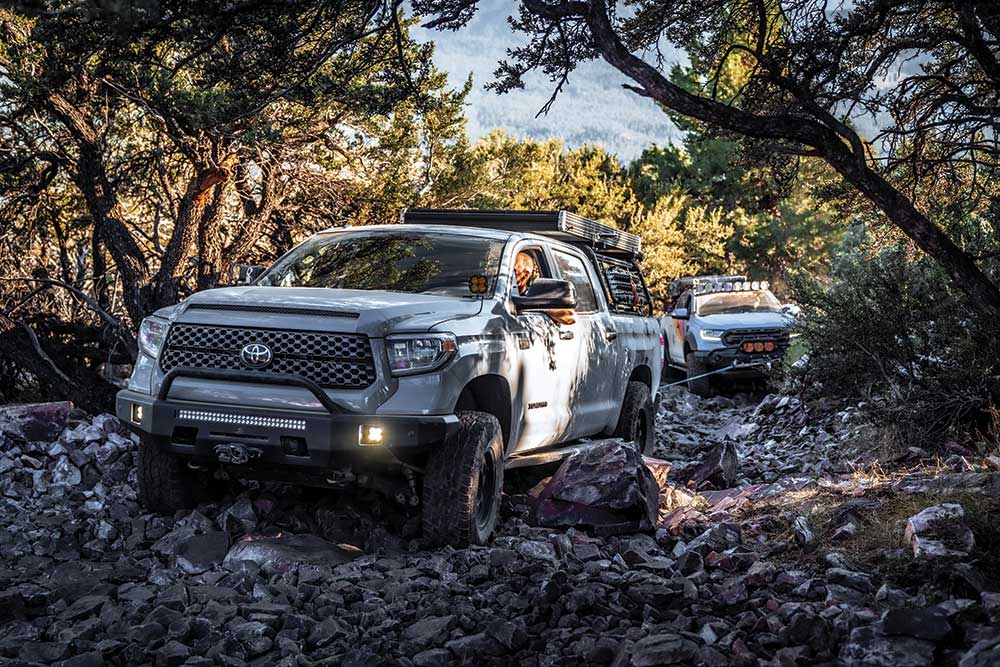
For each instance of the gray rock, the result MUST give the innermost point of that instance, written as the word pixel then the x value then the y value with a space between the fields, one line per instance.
pixel 430 630
pixel 761 573
pixel 536 550
pixel 280 554
pixel 888 596
pixel 605 487
pixel 720 468
pixel 859 581
pixel 84 607
pixel 46 652
pixel 920 622
pixel 985 653
pixel 803 533
pixel 202 552
pixel 661 649
pixel 474 647
pixel 869 647
pixel 940 532
pixel 172 653
pixel 239 518
pixel 991 605
pixel 435 657
pixel 65 473
pixel 717 538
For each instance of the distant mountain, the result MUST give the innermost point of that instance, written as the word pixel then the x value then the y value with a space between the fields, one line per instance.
pixel 593 107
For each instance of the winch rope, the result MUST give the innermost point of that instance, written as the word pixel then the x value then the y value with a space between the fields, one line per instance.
pixel 736 364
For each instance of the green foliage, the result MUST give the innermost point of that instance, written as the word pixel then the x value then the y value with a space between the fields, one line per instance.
pixel 500 171
pixel 773 221
pixel 888 328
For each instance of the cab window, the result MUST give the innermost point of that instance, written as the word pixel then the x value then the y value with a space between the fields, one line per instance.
pixel 684 301
pixel 572 268
pixel 541 267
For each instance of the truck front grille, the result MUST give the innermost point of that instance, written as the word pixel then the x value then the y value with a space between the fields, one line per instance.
pixel 332 360
pixel 736 338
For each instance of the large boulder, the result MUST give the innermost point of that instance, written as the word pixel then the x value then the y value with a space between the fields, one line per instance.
pixel 281 553
pixel 606 487
pixel 940 532
pixel 37 421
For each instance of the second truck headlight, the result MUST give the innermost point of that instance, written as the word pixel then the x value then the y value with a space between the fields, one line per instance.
pixel 419 353
pixel 711 334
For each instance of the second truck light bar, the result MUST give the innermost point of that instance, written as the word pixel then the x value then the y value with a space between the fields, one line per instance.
pixel 561 225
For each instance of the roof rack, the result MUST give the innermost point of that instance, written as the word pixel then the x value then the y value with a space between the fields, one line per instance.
pixel 561 225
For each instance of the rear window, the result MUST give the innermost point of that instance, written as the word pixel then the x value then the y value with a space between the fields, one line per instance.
pixel 572 269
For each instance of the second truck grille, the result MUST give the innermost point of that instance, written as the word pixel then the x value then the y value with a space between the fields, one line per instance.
pixel 328 359
pixel 736 338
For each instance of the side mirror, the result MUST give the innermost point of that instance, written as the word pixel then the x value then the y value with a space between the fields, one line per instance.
pixel 247 274
pixel 680 314
pixel 547 294
pixel 791 309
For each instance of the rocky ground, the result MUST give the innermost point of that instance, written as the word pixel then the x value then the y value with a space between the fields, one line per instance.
pixel 756 536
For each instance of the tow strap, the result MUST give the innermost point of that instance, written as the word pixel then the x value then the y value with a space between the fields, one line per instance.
pixel 736 364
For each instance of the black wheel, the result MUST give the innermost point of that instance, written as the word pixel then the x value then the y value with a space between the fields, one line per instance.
pixel 166 482
pixel 463 481
pixel 638 418
pixel 695 367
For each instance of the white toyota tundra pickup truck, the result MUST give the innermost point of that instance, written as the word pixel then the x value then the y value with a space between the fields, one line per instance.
pixel 419 359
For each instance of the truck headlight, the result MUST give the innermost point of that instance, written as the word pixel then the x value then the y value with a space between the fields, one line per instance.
pixel 711 334
pixel 418 353
pixel 152 332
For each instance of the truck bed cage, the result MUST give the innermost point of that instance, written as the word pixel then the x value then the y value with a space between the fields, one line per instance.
pixel 560 225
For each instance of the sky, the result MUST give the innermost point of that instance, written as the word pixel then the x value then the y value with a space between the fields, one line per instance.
pixel 593 107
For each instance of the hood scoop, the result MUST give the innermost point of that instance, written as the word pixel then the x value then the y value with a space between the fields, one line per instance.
pixel 283 310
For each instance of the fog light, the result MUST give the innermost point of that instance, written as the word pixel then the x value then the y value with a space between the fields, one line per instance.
pixel 769 346
pixel 370 435
pixel 136 413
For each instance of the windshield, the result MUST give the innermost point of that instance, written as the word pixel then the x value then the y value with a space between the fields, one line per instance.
pixel 759 301
pixel 396 261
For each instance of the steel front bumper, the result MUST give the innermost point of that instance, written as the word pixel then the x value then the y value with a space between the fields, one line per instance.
pixel 728 356
pixel 309 439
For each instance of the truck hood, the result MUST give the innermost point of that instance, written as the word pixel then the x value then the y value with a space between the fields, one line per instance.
pixel 373 313
pixel 732 321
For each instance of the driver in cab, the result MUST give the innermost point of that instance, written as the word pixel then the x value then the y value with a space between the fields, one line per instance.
pixel 525 272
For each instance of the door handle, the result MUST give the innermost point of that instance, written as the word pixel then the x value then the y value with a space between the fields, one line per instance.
pixel 565 335
pixel 611 334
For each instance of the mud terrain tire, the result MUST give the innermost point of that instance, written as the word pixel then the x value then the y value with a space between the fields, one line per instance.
pixel 166 483
pixel 695 367
pixel 463 481
pixel 638 418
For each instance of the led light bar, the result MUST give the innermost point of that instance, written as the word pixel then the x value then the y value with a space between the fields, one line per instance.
pixel 243 420
pixel 730 286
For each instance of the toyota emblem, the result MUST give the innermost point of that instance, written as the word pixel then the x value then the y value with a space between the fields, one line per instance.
pixel 256 355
